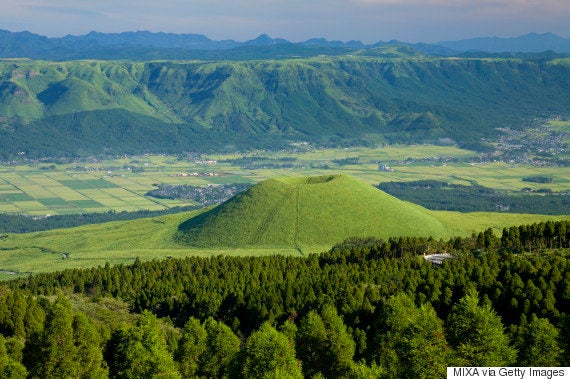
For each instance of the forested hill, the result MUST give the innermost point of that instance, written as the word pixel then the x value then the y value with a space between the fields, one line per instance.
pixel 96 107
pixel 366 309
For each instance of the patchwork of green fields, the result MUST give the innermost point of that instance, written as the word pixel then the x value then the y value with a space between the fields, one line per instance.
pixel 37 192
pixel 120 184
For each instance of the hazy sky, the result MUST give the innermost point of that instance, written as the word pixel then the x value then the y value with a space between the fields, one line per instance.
pixel 296 20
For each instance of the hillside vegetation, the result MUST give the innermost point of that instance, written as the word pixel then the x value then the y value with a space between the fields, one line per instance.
pixel 288 217
pixel 308 211
pixel 97 107
pixel 367 308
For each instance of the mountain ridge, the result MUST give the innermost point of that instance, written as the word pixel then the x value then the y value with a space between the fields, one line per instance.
pixel 47 108
pixel 144 45
pixel 528 43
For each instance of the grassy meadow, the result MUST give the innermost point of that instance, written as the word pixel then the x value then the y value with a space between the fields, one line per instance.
pixel 95 245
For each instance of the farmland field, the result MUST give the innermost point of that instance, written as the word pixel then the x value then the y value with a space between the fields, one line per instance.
pixel 561 126
pixel 121 184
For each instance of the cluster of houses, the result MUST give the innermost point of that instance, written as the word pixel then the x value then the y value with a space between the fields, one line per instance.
pixel 185 174
pixel 20 74
pixel 386 168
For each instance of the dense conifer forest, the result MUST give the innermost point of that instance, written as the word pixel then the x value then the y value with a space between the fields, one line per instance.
pixel 366 308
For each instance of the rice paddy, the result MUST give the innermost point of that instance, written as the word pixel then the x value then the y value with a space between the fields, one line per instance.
pixel 121 184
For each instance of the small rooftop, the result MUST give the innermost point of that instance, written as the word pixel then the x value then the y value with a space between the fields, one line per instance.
pixel 437 258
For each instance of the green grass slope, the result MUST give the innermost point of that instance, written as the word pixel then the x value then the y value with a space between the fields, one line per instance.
pixel 118 242
pixel 308 211
pixel 51 88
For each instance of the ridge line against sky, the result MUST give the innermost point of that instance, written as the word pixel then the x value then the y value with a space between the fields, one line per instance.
pixel 295 20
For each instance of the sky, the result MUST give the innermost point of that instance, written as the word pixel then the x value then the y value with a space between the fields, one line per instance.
pixel 296 20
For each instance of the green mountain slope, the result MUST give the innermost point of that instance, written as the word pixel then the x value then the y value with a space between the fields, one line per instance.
pixel 244 104
pixel 305 212
pixel 71 87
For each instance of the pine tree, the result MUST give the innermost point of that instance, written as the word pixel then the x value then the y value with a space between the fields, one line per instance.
pixel 538 344
pixel 9 367
pixel 88 343
pixel 477 334
pixel 222 347
pixel 410 341
pixel 140 351
pixel 56 347
pixel 191 347
pixel 18 314
pixel 34 317
pixel 270 354
pixel 324 344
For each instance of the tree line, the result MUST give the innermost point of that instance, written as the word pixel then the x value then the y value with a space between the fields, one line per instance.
pixel 366 308
pixel 437 195
pixel 19 223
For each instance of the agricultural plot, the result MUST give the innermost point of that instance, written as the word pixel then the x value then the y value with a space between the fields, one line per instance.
pixel 63 192
pixel 15 196
pixel 88 184
pixel 495 175
pixel 389 153
pixel 560 126
pixel 121 184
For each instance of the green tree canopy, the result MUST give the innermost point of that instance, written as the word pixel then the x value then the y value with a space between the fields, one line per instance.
pixel 538 344
pixel 269 353
pixel 140 351
pixel 324 344
pixel 9 367
pixel 191 347
pixel 410 340
pixel 222 347
pixel 54 354
pixel 477 334
pixel 89 348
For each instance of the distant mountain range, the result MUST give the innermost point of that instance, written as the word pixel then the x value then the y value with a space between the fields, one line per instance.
pixel 144 45
pixel 529 43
